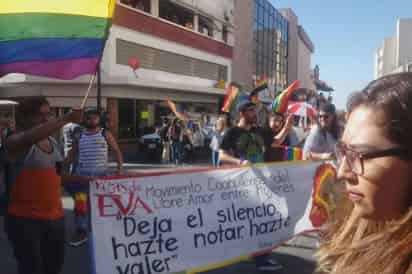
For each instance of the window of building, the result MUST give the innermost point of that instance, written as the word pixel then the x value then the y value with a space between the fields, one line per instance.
pixel 225 33
pixel 270 43
pixel 155 59
pixel 205 26
pixel 142 5
pixel 176 14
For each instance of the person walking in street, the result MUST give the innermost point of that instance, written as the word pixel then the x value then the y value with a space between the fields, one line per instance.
pixel 372 231
pixel 164 138
pixel 91 152
pixel 320 144
pixel 175 137
pixel 35 216
pixel 242 145
pixel 217 137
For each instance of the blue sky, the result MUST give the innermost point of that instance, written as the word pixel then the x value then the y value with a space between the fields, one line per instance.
pixel 346 35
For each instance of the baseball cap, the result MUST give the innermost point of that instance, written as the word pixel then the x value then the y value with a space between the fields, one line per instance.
pixel 244 104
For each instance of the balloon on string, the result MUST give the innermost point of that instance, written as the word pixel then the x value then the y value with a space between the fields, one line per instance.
pixel 134 63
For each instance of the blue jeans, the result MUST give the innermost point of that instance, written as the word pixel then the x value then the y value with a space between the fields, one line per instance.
pixel 176 152
pixel 215 158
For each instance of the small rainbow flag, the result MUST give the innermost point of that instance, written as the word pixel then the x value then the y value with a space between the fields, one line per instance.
pixel 261 82
pixel 56 39
pixel 80 203
pixel 179 115
pixel 231 94
pixel 260 86
pixel 280 104
pixel 292 153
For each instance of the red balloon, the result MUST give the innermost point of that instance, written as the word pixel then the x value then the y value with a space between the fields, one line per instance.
pixel 134 63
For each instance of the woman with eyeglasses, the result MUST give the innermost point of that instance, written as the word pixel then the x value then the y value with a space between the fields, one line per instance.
pixel 321 141
pixel 373 232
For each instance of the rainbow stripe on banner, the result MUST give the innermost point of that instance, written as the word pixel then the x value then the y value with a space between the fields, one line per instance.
pixel 322 206
pixel 292 153
pixel 179 115
pixel 231 94
pixel 57 39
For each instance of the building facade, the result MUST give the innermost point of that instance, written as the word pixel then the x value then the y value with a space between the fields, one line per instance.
pixel 270 44
pixel 185 51
pixel 300 50
pixel 261 44
pixel 395 53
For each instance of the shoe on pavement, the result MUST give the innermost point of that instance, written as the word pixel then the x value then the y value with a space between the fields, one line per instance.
pixel 269 265
pixel 79 239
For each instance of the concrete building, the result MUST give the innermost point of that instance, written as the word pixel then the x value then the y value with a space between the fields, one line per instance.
pixel 395 53
pixel 300 50
pixel 185 49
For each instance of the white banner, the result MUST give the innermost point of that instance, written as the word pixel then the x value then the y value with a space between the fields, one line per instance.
pixel 180 221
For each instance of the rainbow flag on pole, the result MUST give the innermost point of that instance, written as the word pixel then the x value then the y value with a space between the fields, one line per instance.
pixel 231 94
pixel 180 115
pixel 280 104
pixel 51 38
pixel 260 86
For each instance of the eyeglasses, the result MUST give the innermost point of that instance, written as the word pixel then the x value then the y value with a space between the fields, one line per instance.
pixel 355 159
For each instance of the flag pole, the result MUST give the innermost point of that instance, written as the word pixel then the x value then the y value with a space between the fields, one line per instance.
pixel 99 90
pixel 87 92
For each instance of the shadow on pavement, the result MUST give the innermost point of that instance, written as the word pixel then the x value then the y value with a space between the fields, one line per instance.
pixel 291 265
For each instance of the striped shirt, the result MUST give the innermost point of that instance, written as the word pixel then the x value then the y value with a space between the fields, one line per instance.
pixel 93 154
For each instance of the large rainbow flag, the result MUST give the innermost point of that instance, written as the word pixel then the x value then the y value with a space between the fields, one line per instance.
pixel 51 38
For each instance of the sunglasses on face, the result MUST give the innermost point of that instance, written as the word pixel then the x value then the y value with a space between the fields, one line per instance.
pixel 355 159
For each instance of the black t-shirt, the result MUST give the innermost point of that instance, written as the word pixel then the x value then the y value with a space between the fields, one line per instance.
pixel 273 154
pixel 245 144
